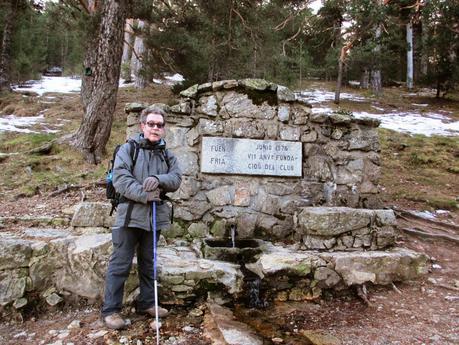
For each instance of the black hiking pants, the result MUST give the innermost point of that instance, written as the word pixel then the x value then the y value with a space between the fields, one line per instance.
pixel 125 242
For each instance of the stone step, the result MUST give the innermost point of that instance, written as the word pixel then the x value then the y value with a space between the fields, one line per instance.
pixel 64 264
pixel 344 228
pixel 302 275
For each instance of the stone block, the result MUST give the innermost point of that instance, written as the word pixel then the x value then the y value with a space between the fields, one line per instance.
pixel 93 214
pixel 220 196
pixel 332 221
pixel 176 137
pixel 188 161
pixel 289 133
pixel 12 285
pixel 208 106
pixel 191 92
pixel 198 230
pixel 283 113
pixel 15 253
pixel 284 94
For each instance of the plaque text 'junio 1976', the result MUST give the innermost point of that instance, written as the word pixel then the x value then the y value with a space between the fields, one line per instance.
pixel 248 156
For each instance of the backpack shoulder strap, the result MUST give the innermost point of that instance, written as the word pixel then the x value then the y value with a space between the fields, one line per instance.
pixel 166 158
pixel 133 150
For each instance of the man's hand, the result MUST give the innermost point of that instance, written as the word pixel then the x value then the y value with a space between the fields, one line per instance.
pixel 150 184
pixel 153 195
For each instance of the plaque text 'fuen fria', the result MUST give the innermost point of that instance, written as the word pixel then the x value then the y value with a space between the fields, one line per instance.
pixel 251 157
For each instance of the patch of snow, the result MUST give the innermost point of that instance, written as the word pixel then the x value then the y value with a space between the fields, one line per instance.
pixel 175 78
pixel 414 123
pixel 442 212
pixel 420 105
pixel 424 214
pixel 51 84
pixel 354 82
pixel 320 96
pixel 322 110
pixel 12 123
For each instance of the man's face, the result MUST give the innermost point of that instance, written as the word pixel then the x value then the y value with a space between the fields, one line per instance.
pixel 153 128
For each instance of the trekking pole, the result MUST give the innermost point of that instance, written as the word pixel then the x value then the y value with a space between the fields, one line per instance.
pixel 153 216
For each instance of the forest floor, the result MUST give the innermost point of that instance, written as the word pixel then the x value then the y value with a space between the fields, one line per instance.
pixel 419 173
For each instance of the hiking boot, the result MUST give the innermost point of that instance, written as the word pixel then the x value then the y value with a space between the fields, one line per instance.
pixel 114 321
pixel 151 312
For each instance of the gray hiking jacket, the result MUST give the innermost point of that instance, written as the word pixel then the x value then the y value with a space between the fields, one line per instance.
pixel 128 182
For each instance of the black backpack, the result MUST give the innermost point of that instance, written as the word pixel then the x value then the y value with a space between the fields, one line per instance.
pixel 111 193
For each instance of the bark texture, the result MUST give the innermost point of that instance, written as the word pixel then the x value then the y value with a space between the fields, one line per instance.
pixel 100 82
pixel 5 57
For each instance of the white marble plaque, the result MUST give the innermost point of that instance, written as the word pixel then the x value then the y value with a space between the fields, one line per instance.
pixel 251 157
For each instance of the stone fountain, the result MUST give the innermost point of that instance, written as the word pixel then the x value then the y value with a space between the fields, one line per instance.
pixel 300 188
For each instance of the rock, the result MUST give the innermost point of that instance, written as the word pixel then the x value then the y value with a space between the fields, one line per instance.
pixel 98 334
pixel 134 107
pixel 20 302
pixel 176 137
pixel 208 106
pixel 153 325
pixel 12 285
pixel 189 187
pixel 285 94
pixel 196 312
pixel 189 329
pixel 14 253
pixel 224 84
pixel 378 267
pixel 191 92
pixel 209 127
pixel 84 272
pixel 364 140
pixel 326 277
pixel 93 214
pixel 289 133
pixel 198 230
pixel 283 113
pixel 255 84
pixel 244 129
pixel 221 196
pixel 341 119
pixel 188 161
pixel 237 105
pixel 218 229
pixel 320 338
pixel 75 324
pixel 54 299
pixel 233 332
pixel 330 221
pixel 181 108
pixel 277 340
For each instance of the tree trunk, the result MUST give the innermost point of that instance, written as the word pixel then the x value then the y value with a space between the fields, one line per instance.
pixel 376 84
pixel 100 83
pixel 5 57
pixel 339 79
pixel 364 79
pixel 409 55
pixel 127 51
pixel 138 57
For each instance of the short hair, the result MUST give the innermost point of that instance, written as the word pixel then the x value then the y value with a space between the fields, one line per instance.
pixel 152 110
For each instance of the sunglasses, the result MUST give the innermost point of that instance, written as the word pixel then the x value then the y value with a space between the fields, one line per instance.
pixel 151 124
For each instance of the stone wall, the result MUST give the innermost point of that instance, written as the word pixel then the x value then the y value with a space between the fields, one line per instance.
pixel 340 164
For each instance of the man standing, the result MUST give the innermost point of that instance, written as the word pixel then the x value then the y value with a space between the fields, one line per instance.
pixel 140 182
